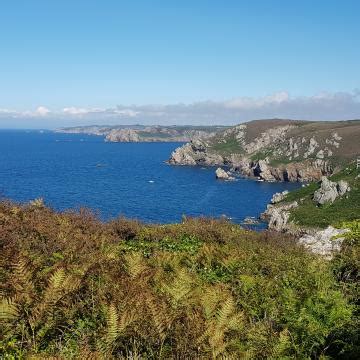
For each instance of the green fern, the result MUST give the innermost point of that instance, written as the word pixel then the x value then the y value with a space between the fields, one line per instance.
pixel 112 319
pixel 134 264
pixel 181 287
pixel 8 310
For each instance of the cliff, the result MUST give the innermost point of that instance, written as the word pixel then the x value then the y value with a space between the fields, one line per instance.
pixel 277 150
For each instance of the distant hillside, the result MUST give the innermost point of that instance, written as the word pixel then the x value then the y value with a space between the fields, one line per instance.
pixel 277 149
pixel 141 133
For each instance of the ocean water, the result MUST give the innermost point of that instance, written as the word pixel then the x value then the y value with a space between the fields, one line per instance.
pixel 70 171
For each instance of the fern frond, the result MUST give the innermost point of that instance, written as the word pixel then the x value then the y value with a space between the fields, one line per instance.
pixel 225 312
pixel 57 279
pixel 126 319
pixel 23 274
pixel 59 285
pixel 134 264
pixel 8 310
pixel 210 300
pixel 181 286
pixel 112 324
pixel 282 347
pixel 160 317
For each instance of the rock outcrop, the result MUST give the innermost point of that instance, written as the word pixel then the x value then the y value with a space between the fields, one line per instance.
pixel 221 174
pixel 277 215
pixel 343 187
pixel 329 191
pixel 323 242
pixel 277 197
pixel 195 153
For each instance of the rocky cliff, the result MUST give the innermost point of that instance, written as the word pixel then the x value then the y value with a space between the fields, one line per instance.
pixel 277 150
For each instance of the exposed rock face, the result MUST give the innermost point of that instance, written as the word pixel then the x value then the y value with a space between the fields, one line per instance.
pixel 329 191
pixel 183 155
pixel 262 170
pixel 322 242
pixel 123 135
pixel 278 215
pixel 221 174
pixel 195 153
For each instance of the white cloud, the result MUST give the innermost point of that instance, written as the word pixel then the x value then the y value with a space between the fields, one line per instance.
pixel 126 113
pixel 42 111
pixel 255 103
pixel 323 106
pixel 75 111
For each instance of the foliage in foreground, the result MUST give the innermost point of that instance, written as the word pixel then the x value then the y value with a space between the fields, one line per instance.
pixel 74 287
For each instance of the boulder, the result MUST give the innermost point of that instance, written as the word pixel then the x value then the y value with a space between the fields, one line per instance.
pixel 342 187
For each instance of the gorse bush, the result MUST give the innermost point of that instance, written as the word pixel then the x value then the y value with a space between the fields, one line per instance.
pixel 73 287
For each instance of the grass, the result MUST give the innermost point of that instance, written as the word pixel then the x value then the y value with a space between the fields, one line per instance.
pixel 72 287
pixel 261 155
pixel 231 145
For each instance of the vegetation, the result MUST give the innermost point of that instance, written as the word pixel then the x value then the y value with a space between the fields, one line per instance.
pixel 346 208
pixel 227 145
pixel 74 287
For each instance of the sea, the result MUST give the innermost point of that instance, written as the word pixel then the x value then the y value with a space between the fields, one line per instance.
pixel 72 171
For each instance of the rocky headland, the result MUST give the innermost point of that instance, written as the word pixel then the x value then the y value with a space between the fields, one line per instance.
pixel 276 150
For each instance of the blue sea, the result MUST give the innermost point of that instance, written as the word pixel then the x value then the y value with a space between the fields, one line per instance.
pixel 70 171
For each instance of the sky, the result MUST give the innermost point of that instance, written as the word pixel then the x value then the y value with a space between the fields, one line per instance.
pixel 72 62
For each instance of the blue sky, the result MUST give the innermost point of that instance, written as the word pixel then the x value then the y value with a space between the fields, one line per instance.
pixel 86 55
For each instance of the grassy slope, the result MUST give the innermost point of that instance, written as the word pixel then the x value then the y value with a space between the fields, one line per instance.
pixel 74 287
pixel 322 130
pixel 345 208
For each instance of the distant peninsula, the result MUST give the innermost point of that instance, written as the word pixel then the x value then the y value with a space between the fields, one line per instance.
pixel 142 133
